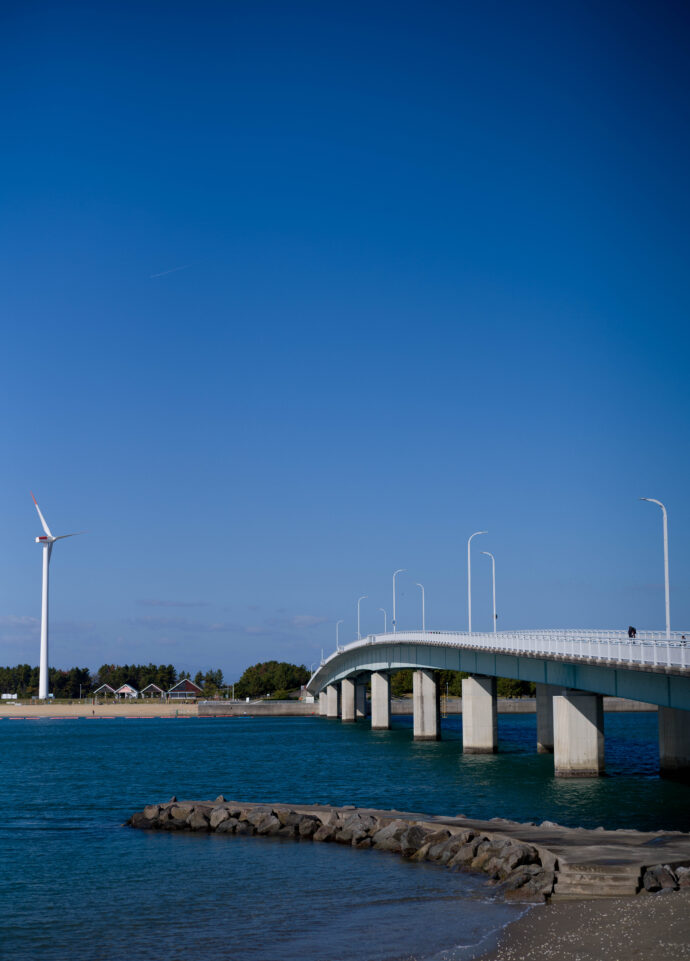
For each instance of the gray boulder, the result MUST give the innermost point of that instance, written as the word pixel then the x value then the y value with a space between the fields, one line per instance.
pixel 198 821
pixel 218 815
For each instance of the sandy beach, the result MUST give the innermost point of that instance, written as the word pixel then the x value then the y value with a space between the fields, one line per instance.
pixel 85 709
pixel 620 929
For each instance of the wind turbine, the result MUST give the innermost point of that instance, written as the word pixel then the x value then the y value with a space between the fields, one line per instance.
pixel 47 543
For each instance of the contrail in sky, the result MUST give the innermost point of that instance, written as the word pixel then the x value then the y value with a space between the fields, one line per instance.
pixel 172 270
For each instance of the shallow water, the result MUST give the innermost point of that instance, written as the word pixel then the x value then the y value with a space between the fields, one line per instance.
pixel 76 884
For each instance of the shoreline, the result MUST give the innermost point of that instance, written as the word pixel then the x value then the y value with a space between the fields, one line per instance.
pixel 618 929
pixel 135 708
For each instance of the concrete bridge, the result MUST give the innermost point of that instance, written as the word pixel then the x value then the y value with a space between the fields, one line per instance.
pixel 572 670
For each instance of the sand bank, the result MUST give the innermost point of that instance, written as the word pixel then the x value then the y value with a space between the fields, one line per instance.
pixel 620 929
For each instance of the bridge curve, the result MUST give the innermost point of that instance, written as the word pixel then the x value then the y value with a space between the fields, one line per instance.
pixel 649 667
pixel 572 670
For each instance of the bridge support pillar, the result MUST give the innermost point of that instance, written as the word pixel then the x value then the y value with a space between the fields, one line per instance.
pixel 347 700
pixel 578 727
pixel 323 703
pixel 360 700
pixel 380 701
pixel 333 697
pixel 479 715
pixel 545 693
pixel 426 706
pixel 674 743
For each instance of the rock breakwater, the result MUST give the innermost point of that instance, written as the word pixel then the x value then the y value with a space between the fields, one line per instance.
pixel 527 862
pixel 522 871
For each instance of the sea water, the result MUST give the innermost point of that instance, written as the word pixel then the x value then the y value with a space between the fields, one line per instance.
pixel 75 883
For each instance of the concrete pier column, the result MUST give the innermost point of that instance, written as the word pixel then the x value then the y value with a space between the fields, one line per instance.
pixel 426 706
pixel 360 700
pixel 380 701
pixel 545 693
pixel 479 715
pixel 333 695
pixel 674 743
pixel 578 728
pixel 323 703
pixel 347 700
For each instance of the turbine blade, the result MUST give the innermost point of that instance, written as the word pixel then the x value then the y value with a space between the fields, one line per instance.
pixel 63 536
pixel 43 520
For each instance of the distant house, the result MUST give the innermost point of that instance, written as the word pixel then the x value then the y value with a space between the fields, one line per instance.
pixel 126 690
pixel 184 689
pixel 152 690
pixel 105 690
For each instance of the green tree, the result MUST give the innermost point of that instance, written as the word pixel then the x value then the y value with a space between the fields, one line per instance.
pixel 270 676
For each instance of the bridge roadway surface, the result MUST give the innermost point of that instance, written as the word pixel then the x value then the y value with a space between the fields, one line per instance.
pixel 649 667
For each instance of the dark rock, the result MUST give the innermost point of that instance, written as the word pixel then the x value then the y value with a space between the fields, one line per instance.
pixel 388 838
pixel 288 831
pixel 151 811
pixel 220 799
pixel 173 799
pixel 683 875
pixel 308 826
pixel 244 827
pixel 327 831
pixel 173 824
pixel 139 820
pixel 364 843
pixel 267 824
pixel 198 821
pixel 664 875
pixel 256 814
pixel 287 817
pixel 228 826
pixel 357 827
pixel 412 840
pixel 461 855
pixel 181 811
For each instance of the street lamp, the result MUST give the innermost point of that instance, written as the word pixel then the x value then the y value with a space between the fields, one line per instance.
pixel 469 581
pixel 403 570
pixel 359 636
pixel 666 583
pixel 493 581
pixel 385 616
pixel 421 587
pixel 337 637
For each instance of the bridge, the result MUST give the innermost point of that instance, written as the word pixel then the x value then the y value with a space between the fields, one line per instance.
pixel 572 670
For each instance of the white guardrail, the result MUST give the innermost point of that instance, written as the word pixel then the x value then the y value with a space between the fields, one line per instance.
pixel 652 648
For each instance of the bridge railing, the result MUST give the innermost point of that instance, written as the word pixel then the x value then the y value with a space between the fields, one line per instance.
pixel 649 648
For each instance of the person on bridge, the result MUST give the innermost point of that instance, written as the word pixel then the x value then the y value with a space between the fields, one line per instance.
pixel 632 632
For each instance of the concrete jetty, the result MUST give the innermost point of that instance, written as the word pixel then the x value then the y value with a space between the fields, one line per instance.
pixel 530 862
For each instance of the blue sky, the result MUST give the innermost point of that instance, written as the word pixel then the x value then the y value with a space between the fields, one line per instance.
pixel 298 294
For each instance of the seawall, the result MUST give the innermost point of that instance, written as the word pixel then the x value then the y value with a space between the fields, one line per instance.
pixel 530 862
pixel 523 705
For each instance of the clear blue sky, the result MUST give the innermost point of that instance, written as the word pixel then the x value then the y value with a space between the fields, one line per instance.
pixel 297 294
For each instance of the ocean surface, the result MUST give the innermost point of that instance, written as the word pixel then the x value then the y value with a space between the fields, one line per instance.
pixel 76 884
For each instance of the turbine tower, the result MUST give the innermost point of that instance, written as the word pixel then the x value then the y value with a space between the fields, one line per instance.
pixel 46 542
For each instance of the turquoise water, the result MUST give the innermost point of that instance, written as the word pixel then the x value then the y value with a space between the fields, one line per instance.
pixel 75 883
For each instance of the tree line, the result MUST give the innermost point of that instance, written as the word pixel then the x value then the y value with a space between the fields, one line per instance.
pixel 23 679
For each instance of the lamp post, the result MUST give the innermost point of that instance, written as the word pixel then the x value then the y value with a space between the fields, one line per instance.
pixel 421 587
pixel 337 637
pixel 469 580
pixel 402 570
pixel 666 583
pixel 359 636
pixel 385 616
pixel 493 581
